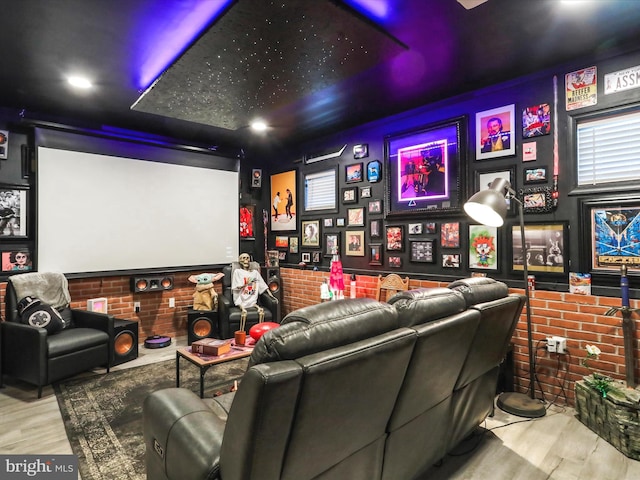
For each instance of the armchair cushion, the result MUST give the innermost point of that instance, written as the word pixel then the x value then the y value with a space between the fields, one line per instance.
pixel 37 314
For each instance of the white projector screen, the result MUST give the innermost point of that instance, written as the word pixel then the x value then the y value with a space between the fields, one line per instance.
pixel 102 213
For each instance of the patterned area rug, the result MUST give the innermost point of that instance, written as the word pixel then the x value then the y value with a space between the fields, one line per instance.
pixel 103 413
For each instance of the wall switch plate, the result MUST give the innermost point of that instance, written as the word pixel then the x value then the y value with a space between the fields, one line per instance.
pixel 172 302
pixel 136 306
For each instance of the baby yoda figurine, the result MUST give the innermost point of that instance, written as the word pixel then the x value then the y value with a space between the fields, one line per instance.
pixel 205 296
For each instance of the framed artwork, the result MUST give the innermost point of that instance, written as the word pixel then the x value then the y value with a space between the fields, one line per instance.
pixel 536 120
pixel 547 247
pixel 340 222
pixel 450 260
pixel 361 150
pixel 355 217
pixel 272 258
pixel 536 199
pixel 611 233
pixel 283 201
pixel 494 133
pixel 375 228
pixel 317 257
pixel 483 247
pixel 306 257
pixel 331 244
pixel 320 190
pixel 247 222
pixel 350 195
pixel 355 243
pixel 327 222
pixel 374 171
pixel 375 254
pixel 484 178
pixel 431 227
pixel 415 229
pixel 310 233
pixel 365 192
pixel 282 255
pixel 395 238
pixel 395 261
pixel 353 173
pixel 16 259
pixel 293 244
pixel 282 241
pixel 424 173
pixel 422 251
pixel 450 235
pixel 375 206
pixel 13 211
pixel 535 175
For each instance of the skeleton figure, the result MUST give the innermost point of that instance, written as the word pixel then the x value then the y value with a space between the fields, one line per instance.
pixel 247 286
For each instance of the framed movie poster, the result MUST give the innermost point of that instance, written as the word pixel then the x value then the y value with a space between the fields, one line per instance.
pixel 283 201
pixel 395 238
pixel 247 222
pixel 424 173
pixel 494 133
pixel 547 247
pixel 450 235
pixel 483 247
pixel 13 211
pixel 611 227
pixel 536 120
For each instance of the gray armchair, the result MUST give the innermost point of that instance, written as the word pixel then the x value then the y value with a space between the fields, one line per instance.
pixel 31 354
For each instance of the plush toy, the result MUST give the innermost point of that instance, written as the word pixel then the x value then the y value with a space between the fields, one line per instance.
pixel 205 296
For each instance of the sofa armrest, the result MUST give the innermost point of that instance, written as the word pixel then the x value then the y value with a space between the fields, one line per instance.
pixel 97 320
pixel 24 350
pixel 270 302
pixel 182 436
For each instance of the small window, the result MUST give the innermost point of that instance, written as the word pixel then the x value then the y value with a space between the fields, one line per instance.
pixel 608 149
pixel 320 190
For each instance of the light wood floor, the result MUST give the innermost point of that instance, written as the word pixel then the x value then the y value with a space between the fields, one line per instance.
pixel 556 446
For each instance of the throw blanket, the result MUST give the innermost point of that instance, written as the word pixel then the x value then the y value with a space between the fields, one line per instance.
pixel 51 288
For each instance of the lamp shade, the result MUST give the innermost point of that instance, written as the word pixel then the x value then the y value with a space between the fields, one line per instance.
pixel 489 207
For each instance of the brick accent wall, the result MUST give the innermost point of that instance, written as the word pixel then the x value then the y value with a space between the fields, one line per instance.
pixel 580 319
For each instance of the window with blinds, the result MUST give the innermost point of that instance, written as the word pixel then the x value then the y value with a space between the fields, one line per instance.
pixel 320 190
pixel 608 149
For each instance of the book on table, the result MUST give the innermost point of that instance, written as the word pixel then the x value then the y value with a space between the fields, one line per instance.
pixel 211 346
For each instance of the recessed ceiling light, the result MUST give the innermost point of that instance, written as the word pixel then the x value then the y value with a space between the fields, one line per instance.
pixel 79 82
pixel 258 126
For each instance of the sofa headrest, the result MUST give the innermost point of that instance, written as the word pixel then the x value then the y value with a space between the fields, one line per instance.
pixel 480 289
pixel 326 325
pixel 424 305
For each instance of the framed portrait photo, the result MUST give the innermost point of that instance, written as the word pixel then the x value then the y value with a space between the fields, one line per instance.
pixel 354 241
pixel 494 133
pixel 394 235
pixel 13 211
pixel 423 169
pixel 484 178
pixel 483 247
pixel 353 173
pixel 375 206
pixel 331 244
pixel 310 233
pixel 16 259
pixel 375 254
pixel 422 251
pixel 547 247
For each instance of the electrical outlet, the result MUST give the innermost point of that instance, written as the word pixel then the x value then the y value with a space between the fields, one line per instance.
pixel 172 302
pixel 136 306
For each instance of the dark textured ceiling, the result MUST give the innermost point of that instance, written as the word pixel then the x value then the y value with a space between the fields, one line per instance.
pixel 450 50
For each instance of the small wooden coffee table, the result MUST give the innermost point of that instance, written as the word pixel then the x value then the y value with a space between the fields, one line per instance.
pixel 205 362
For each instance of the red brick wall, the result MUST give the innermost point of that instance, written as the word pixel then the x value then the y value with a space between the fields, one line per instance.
pixel 580 319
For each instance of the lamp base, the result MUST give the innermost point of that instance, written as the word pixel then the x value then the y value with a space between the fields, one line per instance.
pixel 520 405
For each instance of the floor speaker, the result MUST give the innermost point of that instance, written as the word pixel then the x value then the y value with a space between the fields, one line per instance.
pixel 125 341
pixel 201 324
pixel 274 281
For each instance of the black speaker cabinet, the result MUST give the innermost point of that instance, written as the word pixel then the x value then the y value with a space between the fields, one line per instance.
pixel 125 341
pixel 201 324
pixel 274 281
pixel 151 283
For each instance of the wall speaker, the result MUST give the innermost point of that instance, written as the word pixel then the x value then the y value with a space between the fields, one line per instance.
pixel 125 341
pixel 151 283
pixel 274 281
pixel 201 324
pixel 256 178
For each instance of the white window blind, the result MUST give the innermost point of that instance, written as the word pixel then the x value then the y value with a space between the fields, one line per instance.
pixel 320 190
pixel 608 149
